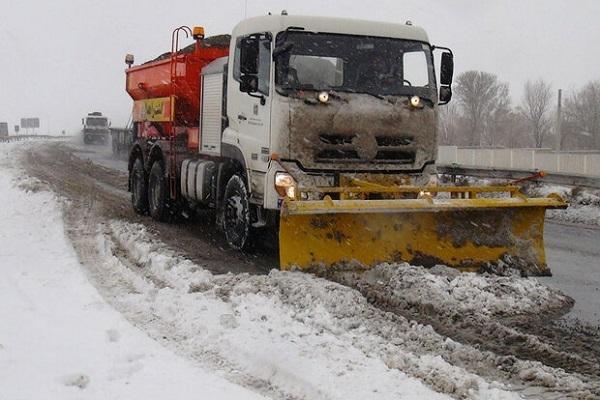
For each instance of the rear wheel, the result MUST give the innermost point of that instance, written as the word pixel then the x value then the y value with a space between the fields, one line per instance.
pixel 236 213
pixel 139 187
pixel 158 192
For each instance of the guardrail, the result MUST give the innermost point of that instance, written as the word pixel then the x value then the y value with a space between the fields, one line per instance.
pixel 17 138
pixel 577 163
pixel 514 174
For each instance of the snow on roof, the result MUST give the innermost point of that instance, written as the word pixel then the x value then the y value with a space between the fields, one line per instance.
pixel 278 23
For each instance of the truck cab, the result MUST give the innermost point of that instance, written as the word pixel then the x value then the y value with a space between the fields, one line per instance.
pixel 95 128
pixel 314 101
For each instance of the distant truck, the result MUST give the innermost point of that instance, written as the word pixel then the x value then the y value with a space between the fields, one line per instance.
pixel 96 128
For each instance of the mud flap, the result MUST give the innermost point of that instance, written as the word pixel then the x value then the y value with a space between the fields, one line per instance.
pixel 469 234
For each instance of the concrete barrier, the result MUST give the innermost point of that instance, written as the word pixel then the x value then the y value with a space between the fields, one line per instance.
pixel 579 163
pixel 593 164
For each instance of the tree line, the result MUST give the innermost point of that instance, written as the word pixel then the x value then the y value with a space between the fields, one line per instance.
pixel 482 115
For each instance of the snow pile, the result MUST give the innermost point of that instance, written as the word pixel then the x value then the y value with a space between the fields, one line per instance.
pixel 58 338
pixel 306 335
pixel 584 204
pixel 261 324
pixel 443 288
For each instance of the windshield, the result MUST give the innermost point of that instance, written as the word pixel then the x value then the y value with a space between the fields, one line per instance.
pixel 96 122
pixel 360 64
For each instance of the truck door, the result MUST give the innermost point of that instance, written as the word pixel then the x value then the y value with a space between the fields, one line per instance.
pixel 249 114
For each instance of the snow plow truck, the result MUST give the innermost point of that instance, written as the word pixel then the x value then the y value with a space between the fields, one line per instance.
pixel 96 128
pixel 323 129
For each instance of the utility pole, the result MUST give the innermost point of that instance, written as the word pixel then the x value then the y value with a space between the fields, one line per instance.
pixel 559 122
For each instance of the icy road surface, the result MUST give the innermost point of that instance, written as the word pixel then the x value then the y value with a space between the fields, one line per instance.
pixel 573 253
pixel 91 283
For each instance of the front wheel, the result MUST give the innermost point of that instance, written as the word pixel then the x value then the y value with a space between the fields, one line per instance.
pixel 236 213
pixel 139 187
pixel 158 192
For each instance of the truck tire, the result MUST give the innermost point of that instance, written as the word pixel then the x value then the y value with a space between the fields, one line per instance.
pixel 139 187
pixel 236 213
pixel 158 192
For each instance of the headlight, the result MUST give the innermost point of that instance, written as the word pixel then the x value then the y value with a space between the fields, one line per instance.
pixel 415 101
pixel 424 195
pixel 323 97
pixel 285 185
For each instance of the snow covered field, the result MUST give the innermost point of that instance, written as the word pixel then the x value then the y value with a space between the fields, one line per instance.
pixel 94 308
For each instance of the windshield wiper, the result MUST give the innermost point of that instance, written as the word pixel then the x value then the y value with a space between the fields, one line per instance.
pixel 380 97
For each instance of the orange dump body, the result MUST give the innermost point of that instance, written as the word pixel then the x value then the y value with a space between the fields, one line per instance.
pixel 154 80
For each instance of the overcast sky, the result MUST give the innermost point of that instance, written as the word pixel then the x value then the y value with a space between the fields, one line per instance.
pixel 60 59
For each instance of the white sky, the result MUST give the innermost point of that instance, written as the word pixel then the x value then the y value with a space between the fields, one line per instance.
pixel 60 59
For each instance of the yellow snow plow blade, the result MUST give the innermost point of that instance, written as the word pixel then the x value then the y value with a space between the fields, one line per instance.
pixel 463 230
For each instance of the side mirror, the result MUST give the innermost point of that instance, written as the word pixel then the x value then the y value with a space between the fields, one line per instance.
pixel 446 69
pixel 445 94
pixel 249 55
pixel 82 123
pixel 248 83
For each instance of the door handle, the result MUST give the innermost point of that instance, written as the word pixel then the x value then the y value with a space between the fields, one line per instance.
pixel 241 117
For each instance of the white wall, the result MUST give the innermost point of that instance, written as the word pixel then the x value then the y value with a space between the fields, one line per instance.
pixel 524 159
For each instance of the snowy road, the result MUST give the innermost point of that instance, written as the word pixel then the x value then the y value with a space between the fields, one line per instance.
pixel 397 332
pixel 573 253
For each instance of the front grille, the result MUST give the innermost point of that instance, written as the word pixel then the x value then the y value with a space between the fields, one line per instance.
pixel 386 141
pixel 337 154
pixel 374 148
pixel 396 156
pixel 336 139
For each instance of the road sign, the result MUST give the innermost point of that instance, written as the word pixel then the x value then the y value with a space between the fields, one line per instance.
pixel 27 123
pixel 3 128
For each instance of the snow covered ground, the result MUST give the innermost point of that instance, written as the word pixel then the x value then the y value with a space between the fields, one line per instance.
pixel 94 308
pixel 58 338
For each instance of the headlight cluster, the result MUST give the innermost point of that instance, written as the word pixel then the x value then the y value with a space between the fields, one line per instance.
pixel 285 185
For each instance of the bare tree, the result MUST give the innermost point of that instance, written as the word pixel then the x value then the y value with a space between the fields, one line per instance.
pixel 536 107
pixel 510 131
pixel 497 122
pixel 582 116
pixel 483 100
pixel 449 124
